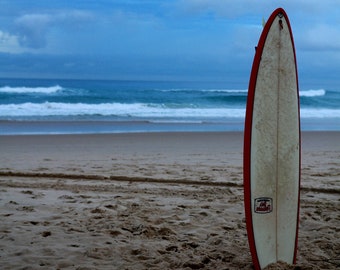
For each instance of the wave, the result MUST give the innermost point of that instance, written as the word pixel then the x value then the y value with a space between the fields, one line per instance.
pixel 320 113
pixel 29 90
pixel 138 110
pixel 303 93
pixel 206 90
pixel 58 88
pixel 312 93
pixel 243 91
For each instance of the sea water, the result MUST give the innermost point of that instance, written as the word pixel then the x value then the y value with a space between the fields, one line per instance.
pixel 39 106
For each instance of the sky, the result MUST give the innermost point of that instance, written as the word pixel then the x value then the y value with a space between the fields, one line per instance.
pixel 161 39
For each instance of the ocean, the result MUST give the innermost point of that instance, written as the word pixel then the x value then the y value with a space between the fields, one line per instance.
pixel 41 106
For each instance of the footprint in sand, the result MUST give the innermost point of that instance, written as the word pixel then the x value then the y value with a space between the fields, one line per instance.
pixel 26 209
pixel 99 253
pixel 68 199
pixel 33 195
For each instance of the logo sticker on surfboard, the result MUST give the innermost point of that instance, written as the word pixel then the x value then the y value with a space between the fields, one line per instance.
pixel 263 205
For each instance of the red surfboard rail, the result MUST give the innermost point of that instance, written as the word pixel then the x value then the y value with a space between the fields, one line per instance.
pixel 248 135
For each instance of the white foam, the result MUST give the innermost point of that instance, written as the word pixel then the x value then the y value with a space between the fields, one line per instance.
pixel 226 90
pixel 115 109
pixel 312 93
pixel 137 110
pixel 28 90
pixel 206 90
pixel 320 113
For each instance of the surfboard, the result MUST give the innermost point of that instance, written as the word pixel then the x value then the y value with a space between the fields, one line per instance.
pixel 272 154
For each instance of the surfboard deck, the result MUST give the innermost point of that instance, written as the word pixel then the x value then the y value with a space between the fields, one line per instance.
pixel 272 154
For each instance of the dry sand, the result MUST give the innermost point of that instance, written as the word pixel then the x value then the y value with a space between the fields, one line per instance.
pixel 151 201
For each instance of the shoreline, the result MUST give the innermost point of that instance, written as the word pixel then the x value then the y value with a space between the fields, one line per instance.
pixel 105 126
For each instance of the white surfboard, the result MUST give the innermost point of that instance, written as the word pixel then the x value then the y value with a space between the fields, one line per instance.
pixel 272 147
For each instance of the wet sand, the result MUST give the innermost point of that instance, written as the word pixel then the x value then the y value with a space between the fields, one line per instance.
pixel 151 201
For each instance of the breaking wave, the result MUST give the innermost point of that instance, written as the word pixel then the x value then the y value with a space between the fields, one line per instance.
pixel 29 90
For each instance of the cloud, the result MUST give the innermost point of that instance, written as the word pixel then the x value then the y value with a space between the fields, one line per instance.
pixel 187 37
pixel 32 29
pixel 8 43
pixel 321 37
pixel 232 8
pixel 227 8
pixel 132 21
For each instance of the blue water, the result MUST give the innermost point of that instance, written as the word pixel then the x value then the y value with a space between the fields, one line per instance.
pixel 30 106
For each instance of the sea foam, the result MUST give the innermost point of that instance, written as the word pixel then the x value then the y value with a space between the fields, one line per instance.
pixel 115 109
pixel 137 110
pixel 312 93
pixel 28 90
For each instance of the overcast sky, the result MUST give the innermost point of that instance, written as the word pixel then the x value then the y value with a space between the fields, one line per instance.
pixel 150 39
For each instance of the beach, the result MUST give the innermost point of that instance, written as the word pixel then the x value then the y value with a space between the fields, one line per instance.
pixel 171 200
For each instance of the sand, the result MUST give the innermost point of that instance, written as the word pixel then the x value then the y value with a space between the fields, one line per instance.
pixel 151 201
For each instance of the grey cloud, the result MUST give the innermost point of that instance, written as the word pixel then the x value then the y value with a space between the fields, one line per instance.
pixel 32 29
pixel 320 37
